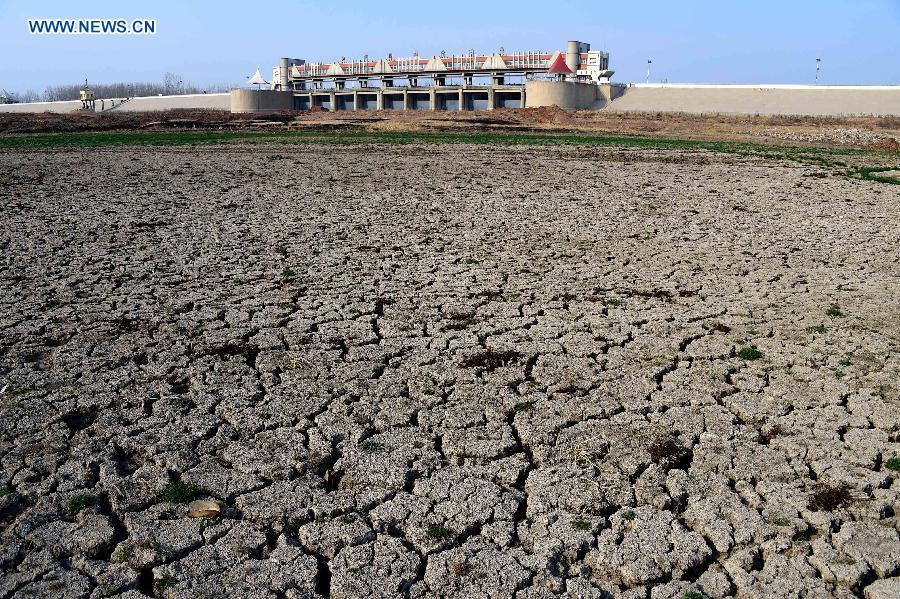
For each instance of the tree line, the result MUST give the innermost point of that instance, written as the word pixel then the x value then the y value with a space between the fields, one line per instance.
pixel 171 85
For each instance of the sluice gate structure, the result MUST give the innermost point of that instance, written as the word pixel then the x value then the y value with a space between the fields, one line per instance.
pixel 447 82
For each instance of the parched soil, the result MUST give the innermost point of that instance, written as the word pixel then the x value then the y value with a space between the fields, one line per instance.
pixel 876 133
pixel 446 370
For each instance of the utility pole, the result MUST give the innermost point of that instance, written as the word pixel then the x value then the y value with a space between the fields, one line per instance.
pixel 648 69
pixel 818 62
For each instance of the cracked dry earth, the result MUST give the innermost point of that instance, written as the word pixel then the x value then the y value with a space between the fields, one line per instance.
pixel 446 370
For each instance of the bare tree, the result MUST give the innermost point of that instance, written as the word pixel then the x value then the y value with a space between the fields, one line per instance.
pixel 29 95
pixel 172 84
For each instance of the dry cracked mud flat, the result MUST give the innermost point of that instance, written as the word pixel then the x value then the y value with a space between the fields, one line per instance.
pixel 446 370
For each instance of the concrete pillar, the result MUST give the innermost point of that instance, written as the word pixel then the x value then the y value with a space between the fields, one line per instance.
pixel 432 99
pixel 440 81
pixel 406 99
pixel 355 99
pixel 491 98
pixel 283 69
pixel 572 56
pixel 462 99
pixel 379 100
pixel 333 100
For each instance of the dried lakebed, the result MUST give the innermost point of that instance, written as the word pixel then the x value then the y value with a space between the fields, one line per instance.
pixel 438 370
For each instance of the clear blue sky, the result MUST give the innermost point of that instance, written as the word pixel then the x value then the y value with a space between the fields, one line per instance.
pixel 728 41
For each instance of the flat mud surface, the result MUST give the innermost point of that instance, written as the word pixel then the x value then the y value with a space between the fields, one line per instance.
pixel 446 370
pixel 874 133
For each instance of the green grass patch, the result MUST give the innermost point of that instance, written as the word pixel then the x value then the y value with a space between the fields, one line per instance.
pixel 834 312
pixel 161 584
pixel 78 502
pixel 371 446
pixel 893 464
pixel 438 532
pixel 870 173
pixel 749 353
pixel 179 492
pixel 819 328
pixel 48 141
pixel 581 525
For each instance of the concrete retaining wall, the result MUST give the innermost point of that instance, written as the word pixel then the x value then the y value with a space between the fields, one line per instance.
pixel 565 94
pixel 140 104
pixel 825 100
pixel 264 100
pixel 807 100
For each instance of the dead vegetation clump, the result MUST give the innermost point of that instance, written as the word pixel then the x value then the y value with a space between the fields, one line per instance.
pixel 888 122
pixel 776 430
pixel 828 497
pixel 667 451
pixel 491 360
pixel 888 144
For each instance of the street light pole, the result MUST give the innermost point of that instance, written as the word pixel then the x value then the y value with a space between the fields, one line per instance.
pixel 818 62
pixel 648 69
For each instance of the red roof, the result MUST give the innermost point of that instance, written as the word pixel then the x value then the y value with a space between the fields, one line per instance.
pixel 559 66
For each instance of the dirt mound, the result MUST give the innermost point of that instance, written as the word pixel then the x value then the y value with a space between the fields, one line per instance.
pixel 888 144
pixel 553 115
